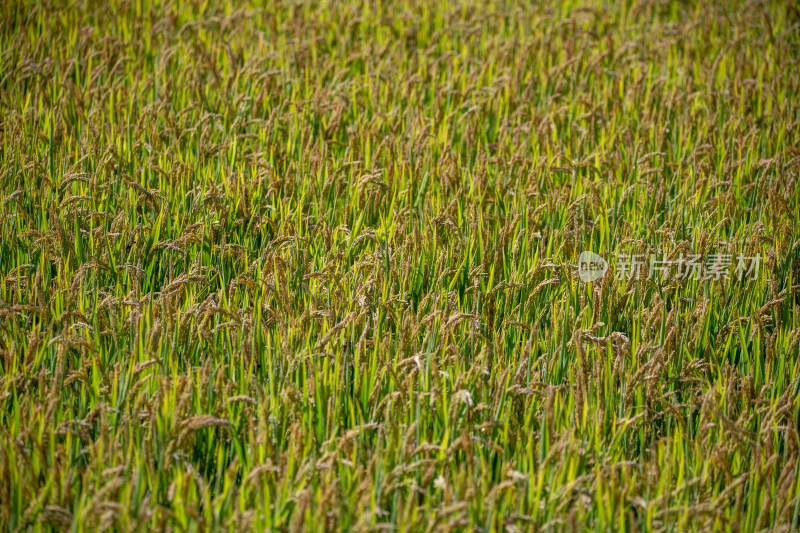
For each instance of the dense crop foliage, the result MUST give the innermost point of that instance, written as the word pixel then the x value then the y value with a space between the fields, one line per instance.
pixel 315 265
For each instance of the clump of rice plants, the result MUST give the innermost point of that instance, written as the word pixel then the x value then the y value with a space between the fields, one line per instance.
pixel 318 265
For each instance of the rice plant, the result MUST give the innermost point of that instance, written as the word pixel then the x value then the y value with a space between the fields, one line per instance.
pixel 316 265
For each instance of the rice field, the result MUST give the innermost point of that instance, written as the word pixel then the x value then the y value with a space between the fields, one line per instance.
pixel 319 266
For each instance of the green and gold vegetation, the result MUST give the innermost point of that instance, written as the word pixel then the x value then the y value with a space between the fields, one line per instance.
pixel 313 265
